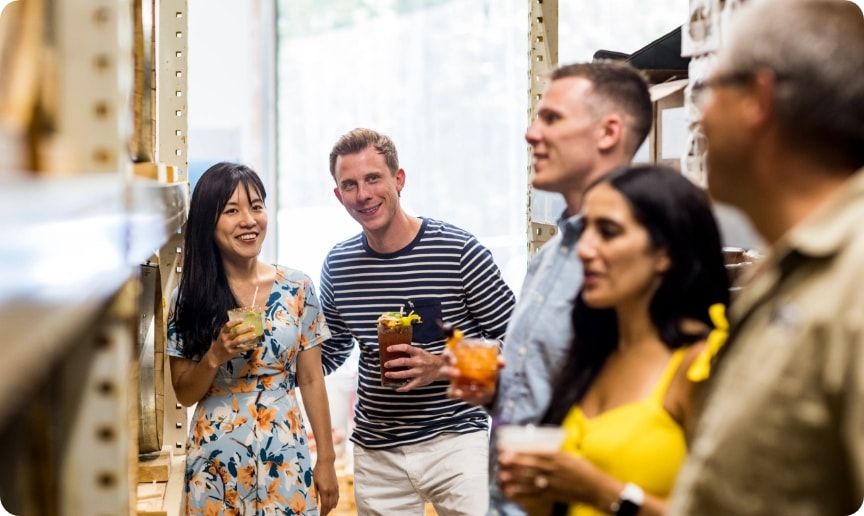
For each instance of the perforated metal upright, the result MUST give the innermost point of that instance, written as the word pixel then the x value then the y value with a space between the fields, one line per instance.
pixel 98 404
pixel 90 132
pixel 171 149
pixel 93 87
pixel 171 85
pixel 543 57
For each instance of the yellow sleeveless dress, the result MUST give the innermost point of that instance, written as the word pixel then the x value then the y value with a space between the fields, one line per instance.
pixel 637 442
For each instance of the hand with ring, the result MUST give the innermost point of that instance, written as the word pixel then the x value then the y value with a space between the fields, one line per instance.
pixel 523 483
pixel 535 480
pixel 541 482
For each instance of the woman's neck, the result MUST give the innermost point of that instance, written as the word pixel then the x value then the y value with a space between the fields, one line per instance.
pixel 245 271
pixel 635 327
pixel 245 280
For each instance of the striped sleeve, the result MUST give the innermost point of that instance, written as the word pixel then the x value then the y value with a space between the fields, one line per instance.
pixel 488 298
pixel 336 349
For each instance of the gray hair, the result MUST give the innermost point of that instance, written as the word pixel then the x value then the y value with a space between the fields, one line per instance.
pixel 815 48
pixel 358 140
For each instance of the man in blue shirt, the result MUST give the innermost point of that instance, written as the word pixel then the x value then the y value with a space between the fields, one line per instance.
pixel 592 119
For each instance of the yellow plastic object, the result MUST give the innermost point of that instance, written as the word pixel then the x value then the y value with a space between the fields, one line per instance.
pixel 408 320
pixel 393 319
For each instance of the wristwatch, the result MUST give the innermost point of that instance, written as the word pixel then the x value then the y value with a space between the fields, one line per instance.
pixel 629 501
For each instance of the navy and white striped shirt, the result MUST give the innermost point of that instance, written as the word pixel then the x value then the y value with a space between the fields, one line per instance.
pixel 445 274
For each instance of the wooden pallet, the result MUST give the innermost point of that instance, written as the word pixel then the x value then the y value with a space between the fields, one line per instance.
pixel 157 497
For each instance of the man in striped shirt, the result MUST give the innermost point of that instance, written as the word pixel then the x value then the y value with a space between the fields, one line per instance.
pixel 412 444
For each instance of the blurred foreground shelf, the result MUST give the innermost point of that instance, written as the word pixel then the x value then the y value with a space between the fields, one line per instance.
pixel 69 244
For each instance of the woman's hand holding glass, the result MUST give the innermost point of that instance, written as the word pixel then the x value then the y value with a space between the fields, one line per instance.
pixel 472 397
pixel 536 480
pixel 234 338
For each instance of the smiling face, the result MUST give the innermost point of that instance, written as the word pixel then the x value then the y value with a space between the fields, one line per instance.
pixel 621 266
pixel 368 190
pixel 242 225
pixel 563 136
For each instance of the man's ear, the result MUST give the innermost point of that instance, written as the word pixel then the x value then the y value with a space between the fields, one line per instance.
pixel 400 180
pixel 759 108
pixel 338 194
pixel 611 132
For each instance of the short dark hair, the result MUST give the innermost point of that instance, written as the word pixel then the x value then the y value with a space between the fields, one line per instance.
pixel 678 218
pixel 621 85
pixel 204 297
pixel 358 140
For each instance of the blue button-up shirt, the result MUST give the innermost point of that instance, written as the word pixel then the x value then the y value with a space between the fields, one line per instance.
pixel 538 338
pixel 540 329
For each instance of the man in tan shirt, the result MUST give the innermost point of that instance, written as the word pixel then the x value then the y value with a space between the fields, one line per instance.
pixel 782 431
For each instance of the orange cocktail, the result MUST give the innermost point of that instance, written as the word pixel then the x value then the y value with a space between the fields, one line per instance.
pixel 477 362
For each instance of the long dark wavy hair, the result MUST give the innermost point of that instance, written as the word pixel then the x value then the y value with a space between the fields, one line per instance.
pixel 678 218
pixel 204 296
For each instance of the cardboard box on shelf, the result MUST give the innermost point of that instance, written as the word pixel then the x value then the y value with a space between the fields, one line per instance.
pixel 666 142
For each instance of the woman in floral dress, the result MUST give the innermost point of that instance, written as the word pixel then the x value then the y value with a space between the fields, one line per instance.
pixel 247 452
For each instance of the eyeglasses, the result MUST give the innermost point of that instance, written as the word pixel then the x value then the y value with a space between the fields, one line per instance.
pixel 701 92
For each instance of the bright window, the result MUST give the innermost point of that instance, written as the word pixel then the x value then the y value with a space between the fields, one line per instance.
pixel 446 79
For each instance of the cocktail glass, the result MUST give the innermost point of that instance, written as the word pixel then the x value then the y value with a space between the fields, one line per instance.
pixel 529 438
pixel 477 362
pixel 391 331
pixel 254 317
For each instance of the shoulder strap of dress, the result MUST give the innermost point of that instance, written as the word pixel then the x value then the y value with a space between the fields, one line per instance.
pixel 659 394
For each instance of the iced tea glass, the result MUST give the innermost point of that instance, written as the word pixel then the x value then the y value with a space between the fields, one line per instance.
pixel 389 335
pixel 254 317
pixel 477 362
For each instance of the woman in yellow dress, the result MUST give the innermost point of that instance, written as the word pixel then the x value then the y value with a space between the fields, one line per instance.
pixel 653 280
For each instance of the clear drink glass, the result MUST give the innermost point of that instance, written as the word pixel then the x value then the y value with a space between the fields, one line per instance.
pixel 529 438
pixel 253 316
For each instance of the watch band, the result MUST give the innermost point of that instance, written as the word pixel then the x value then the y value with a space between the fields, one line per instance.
pixel 630 500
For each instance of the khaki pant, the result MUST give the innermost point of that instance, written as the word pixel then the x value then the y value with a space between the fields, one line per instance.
pixel 450 472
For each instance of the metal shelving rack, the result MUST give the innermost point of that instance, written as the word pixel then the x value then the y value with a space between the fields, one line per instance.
pixel 76 226
pixel 542 59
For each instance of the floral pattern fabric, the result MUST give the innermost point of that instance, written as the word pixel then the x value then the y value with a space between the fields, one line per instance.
pixel 246 453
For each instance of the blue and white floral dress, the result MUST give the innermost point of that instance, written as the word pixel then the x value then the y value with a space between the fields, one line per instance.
pixel 246 453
